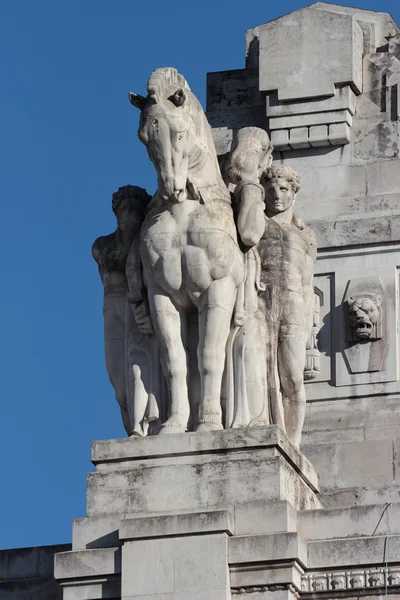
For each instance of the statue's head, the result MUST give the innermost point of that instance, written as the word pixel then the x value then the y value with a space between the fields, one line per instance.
pixel 365 315
pixel 250 155
pixel 281 185
pixel 129 205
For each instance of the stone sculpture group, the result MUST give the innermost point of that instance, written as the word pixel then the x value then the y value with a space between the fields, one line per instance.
pixel 208 285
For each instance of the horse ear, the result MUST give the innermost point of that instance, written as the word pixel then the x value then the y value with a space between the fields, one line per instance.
pixel 137 100
pixel 350 300
pixel 378 301
pixel 179 98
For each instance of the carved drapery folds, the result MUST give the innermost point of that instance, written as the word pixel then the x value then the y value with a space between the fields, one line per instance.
pixel 215 280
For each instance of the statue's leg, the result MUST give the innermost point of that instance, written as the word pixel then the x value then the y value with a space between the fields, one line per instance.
pixel 194 374
pixel 215 316
pixel 291 360
pixel 167 322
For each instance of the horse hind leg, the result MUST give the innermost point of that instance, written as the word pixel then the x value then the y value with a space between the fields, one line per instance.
pixel 169 326
pixel 215 316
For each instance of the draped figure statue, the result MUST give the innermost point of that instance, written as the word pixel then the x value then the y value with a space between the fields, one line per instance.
pixel 130 352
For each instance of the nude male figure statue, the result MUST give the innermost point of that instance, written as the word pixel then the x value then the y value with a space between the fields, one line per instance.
pixel 288 251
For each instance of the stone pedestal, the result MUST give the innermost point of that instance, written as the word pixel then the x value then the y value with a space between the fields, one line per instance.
pixel 191 517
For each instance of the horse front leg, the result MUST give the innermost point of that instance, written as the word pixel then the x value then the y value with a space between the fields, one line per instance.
pixel 215 316
pixel 169 326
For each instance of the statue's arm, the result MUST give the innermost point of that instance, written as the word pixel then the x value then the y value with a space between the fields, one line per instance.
pixel 97 251
pixel 308 282
pixel 250 220
pixel 137 296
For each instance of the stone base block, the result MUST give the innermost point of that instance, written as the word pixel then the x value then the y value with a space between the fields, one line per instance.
pixel 193 472
pixel 190 517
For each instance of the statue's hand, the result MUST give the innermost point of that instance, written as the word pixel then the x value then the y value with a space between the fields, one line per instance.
pixel 142 318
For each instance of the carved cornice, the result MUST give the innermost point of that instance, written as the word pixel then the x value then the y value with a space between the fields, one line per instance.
pixel 265 588
pixel 348 580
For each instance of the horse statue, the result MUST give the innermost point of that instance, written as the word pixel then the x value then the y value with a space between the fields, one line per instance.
pixel 192 263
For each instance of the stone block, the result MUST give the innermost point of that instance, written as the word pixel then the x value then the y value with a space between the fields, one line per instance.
pixel 148 568
pixel 96 532
pixel 349 522
pixel 273 575
pixel 176 566
pixel 341 181
pixel 274 547
pixel 264 517
pixel 323 457
pixel 356 230
pixel 298 138
pixel 369 463
pixel 360 496
pixel 318 135
pixel 87 563
pixel 339 133
pixel 92 590
pixel 307 120
pixel 29 563
pixel 196 472
pixel 280 139
pixel 344 99
pixel 217 521
pixel 303 56
pixel 201 563
pixel 383 177
pixel 350 551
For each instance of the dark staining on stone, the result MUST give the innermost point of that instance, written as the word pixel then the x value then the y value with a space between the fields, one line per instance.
pixel 383 93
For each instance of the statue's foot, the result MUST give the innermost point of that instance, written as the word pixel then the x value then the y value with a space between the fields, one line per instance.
pixel 172 425
pixel 136 432
pixel 209 424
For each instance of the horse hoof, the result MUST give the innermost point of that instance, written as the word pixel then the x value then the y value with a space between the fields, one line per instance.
pixel 171 427
pixel 259 423
pixel 209 427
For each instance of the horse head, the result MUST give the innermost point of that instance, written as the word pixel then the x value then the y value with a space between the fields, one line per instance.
pixel 176 133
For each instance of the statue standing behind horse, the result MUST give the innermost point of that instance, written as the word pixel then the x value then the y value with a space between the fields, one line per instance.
pixel 192 263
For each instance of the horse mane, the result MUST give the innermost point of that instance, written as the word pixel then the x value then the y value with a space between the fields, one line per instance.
pixel 161 78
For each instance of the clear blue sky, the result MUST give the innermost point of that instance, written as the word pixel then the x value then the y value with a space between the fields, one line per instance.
pixel 68 140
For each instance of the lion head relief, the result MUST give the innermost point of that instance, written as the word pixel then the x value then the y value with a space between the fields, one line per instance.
pixel 364 318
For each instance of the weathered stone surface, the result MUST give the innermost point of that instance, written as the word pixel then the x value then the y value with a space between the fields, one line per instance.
pixel 353 521
pixel 163 567
pixel 257 548
pixel 29 573
pixel 218 521
pixel 350 551
pixel 87 563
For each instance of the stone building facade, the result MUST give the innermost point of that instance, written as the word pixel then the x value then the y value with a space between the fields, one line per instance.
pixel 242 512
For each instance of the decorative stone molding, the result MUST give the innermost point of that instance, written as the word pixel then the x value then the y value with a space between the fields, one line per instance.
pixel 364 318
pixel 316 122
pixel 347 580
pixel 365 307
pixel 313 367
pixel 265 588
